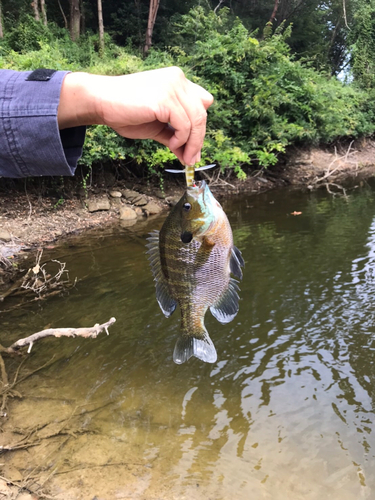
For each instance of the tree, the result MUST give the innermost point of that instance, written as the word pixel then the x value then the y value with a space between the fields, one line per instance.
pixel 1 22
pixel 152 13
pixel 362 38
pixel 43 9
pixel 101 27
pixel 75 19
pixel 34 5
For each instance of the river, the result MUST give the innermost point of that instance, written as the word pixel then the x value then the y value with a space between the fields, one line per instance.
pixel 286 413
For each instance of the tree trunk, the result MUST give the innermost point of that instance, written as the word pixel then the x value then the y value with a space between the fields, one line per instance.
pixel 1 22
pixel 43 9
pixel 34 5
pixel 75 19
pixel 63 14
pixel 153 10
pixel 273 15
pixel 83 18
pixel 101 27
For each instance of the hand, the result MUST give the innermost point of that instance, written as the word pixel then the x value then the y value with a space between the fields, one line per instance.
pixel 160 104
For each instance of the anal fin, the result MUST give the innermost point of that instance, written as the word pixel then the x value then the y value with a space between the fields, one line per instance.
pixel 227 306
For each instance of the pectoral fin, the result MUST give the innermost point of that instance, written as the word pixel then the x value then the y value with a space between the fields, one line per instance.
pixel 227 306
pixel 166 302
pixel 236 262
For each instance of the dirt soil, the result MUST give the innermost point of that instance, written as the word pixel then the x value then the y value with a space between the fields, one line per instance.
pixel 31 218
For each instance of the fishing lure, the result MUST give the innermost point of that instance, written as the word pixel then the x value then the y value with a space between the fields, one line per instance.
pixel 189 173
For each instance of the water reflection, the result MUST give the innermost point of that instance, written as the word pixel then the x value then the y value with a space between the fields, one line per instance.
pixel 287 412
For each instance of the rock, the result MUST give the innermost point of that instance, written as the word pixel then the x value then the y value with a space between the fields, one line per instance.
pixel 127 213
pixel 159 194
pixel 138 211
pixel 173 200
pixel 115 194
pixel 5 235
pixel 140 201
pixel 134 197
pixel 98 204
pixel 129 194
pixel 152 208
pixel 116 203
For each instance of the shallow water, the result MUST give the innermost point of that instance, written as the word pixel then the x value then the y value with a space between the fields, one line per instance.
pixel 288 410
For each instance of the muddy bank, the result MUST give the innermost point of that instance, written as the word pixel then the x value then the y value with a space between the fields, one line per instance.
pixel 31 218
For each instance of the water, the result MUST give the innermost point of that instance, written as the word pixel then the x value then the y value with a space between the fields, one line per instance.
pixel 288 410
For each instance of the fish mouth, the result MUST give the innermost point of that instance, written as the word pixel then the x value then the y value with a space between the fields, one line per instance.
pixel 198 189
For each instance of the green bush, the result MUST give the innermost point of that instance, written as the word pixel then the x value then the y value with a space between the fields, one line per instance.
pixel 265 100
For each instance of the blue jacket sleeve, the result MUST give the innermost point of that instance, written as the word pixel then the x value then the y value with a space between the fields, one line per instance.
pixel 31 143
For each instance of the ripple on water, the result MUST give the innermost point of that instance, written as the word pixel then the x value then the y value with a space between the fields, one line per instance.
pixel 287 412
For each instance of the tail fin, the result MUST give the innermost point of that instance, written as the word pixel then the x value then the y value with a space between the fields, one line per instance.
pixel 188 346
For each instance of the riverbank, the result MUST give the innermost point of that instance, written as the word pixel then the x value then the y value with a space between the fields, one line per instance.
pixel 31 218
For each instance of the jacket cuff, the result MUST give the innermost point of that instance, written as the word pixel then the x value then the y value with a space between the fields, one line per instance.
pixel 32 144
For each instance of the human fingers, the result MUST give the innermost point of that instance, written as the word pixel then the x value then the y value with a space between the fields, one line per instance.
pixel 194 100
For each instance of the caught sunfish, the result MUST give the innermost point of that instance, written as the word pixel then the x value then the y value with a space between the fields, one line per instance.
pixel 191 259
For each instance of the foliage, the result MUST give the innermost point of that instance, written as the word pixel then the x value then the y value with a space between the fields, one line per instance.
pixel 265 98
pixel 362 38
pixel 27 35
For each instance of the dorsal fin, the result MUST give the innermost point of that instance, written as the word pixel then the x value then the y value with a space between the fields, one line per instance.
pixel 236 262
pixel 226 308
pixel 166 302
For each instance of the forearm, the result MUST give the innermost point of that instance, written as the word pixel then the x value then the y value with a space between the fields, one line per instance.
pixel 78 100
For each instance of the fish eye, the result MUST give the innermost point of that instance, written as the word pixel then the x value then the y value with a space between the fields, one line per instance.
pixel 187 207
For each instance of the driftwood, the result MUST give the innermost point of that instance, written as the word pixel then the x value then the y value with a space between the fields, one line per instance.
pixel 7 387
pixel 92 332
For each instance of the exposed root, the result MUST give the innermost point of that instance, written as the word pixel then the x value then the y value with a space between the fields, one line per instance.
pixel 341 162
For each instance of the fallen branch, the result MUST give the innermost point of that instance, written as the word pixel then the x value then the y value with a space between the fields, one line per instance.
pixel 92 332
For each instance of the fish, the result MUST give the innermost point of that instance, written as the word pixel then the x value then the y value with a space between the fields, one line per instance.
pixel 192 259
